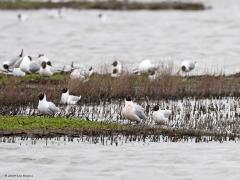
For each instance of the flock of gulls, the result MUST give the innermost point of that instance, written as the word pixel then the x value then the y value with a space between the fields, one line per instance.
pixel 40 64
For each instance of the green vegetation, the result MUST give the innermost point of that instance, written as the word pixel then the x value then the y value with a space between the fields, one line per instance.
pixel 35 126
pixel 107 5
pixel 31 78
pixel 44 122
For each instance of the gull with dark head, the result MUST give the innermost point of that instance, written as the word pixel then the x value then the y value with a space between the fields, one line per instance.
pixel 188 66
pixel 29 66
pixel 45 69
pixel 160 116
pixel 13 63
pixel 132 111
pixel 81 74
pixel 46 107
pixel 66 98
pixel 116 69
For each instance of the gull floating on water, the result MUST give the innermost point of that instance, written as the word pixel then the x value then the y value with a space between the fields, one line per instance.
pixel 188 66
pixel 133 111
pixel 22 17
pixel 103 17
pixel 13 63
pixel 66 98
pixel 29 66
pixel 116 69
pixel 160 116
pixel 81 74
pixel 46 107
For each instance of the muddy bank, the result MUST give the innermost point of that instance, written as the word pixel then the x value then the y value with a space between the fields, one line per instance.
pixel 105 5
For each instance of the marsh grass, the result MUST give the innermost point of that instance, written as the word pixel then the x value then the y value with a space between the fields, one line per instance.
pixel 102 87
pixel 106 5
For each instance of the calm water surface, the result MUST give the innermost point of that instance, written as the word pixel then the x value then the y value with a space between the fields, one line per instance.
pixel 61 160
pixel 210 37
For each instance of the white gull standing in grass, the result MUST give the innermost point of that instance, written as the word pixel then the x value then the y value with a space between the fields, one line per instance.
pixel 188 66
pixel 145 66
pixel 45 69
pixel 81 74
pixel 116 69
pixel 29 66
pixel 133 112
pixel 160 116
pixel 46 107
pixel 66 98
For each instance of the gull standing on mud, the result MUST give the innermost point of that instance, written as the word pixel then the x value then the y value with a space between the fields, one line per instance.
pixel 29 66
pixel 160 116
pixel 46 107
pixel 133 111
pixel 116 69
pixel 69 99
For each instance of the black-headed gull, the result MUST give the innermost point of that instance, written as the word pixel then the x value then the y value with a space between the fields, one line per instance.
pixel 160 116
pixel 188 66
pixel 22 17
pixel 152 75
pixel 14 62
pixel 66 98
pixel 145 66
pixel 29 66
pixel 116 69
pixel 80 74
pixel 45 69
pixel 133 111
pixel 46 107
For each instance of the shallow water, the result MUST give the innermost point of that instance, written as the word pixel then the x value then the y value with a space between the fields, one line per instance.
pixel 210 37
pixel 76 160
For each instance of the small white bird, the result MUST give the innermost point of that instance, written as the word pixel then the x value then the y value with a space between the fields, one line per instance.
pixel 133 111
pixel 16 72
pixel 69 99
pixel 152 75
pixel 188 66
pixel 81 74
pixel 102 17
pixel 160 116
pixel 146 66
pixel 29 66
pixel 45 69
pixel 14 62
pixel 116 69
pixel 22 17
pixel 46 107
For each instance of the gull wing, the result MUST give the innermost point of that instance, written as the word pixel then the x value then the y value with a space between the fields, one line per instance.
pixel 53 108
pixel 139 111
pixel 34 67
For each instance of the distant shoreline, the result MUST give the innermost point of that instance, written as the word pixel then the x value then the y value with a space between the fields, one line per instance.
pixel 104 5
